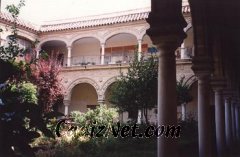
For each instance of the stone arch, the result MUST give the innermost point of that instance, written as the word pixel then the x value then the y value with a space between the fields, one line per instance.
pixel 52 39
pixel 142 32
pixel 67 95
pixel 189 78
pixel 192 80
pixel 24 37
pixel 27 36
pixel 20 36
pixel 120 31
pixel 106 85
pixel 84 36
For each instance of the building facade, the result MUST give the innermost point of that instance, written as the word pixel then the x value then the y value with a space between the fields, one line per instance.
pixel 94 51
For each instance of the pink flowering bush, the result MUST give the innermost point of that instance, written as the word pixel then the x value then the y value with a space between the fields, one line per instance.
pixel 45 75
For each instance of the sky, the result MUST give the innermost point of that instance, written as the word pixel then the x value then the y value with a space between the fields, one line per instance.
pixel 38 11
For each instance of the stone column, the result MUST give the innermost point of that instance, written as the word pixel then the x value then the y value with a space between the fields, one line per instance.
pixel 37 52
pixel 139 119
pixel 204 120
pixel 228 122
pixel 166 32
pixel 218 85
pixel 139 49
pixel 167 107
pixel 233 121
pixel 183 111
pixel 101 101
pixel 66 104
pixel 102 53
pixel 220 124
pixel 69 55
pixel 237 122
pixel 183 52
pixel 202 68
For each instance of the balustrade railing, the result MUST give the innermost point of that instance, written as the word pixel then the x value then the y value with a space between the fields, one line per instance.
pixel 118 58
pixel 122 58
pixel 85 60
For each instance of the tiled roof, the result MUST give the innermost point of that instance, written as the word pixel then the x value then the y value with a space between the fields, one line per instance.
pixel 5 17
pixel 99 20
pixel 85 22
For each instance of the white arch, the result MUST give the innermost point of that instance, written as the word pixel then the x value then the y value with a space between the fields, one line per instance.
pixel 84 36
pixel 27 36
pixel 108 35
pixel 143 31
pixel 19 35
pixel 42 41
pixel 68 93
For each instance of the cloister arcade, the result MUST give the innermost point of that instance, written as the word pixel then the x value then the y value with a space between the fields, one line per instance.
pixel 118 48
pixel 93 57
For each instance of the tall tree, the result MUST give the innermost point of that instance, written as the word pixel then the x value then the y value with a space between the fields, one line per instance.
pixel 45 74
pixel 137 90
pixel 21 117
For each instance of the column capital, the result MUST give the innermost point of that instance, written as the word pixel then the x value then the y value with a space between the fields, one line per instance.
pixel 69 46
pixel 235 100
pixel 38 49
pixel 166 28
pixel 102 43
pixel 218 84
pixel 100 101
pixel 169 42
pixel 202 65
pixel 66 102
pixel 228 93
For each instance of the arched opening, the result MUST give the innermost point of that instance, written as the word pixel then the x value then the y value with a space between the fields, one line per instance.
pixel 107 94
pixel 123 116
pixel 84 97
pixel 120 48
pixel 23 43
pixel 186 49
pixel 147 46
pixel 57 49
pixel 86 51
pixel 192 107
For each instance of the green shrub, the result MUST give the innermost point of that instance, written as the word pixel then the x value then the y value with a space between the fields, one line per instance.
pixel 101 116
pixel 27 92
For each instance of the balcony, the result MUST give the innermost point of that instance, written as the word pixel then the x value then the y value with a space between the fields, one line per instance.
pixel 85 60
pixel 123 58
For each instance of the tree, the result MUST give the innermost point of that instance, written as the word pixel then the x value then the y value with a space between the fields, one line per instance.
pixel 45 74
pixel 183 95
pixel 21 117
pixel 137 90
